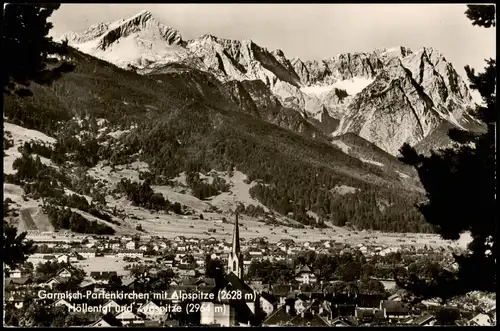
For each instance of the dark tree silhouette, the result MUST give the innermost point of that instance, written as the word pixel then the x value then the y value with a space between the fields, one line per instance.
pixel 14 248
pixel 32 55
pixel 460 186
pixel 27 59
pixel 481 15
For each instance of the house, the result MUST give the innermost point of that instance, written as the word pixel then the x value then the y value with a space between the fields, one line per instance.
pixel 86 253
pixel 300 304
pixel 129 282
pixel 304 275
pixel 168 263
pixel 130 253
pixel 126 238
pixel 268 302
pixel 435 302
pixel 16 300
pixel 394 309
pixel 368 315
pixel 63 258
pixel 279 317
pixel 111 307
pixel 128 318
pixel 180 239
pixel 424 320
pixel 143 248
pixel 309 317
pixel 151 310
pixel 115 246
pixel 64 273
pixel 481 320
pixel 343 321
pixel 107 320
pixel 51 283
pixel 87 285
pixel 102 276
pixel 187 273
pixel 74 257
pixel 47 258
pixel 395 297
pixel 16 273
pixel 62 302
pixel 130 245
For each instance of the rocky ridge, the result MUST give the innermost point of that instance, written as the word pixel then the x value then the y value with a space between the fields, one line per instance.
pixel 388 96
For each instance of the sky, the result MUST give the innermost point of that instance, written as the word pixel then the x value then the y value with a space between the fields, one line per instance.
pixel 310 31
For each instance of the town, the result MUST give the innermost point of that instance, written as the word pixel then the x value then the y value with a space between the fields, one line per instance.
pixel 153 281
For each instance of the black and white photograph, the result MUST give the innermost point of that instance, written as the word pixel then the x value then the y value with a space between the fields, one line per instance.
pixel 249 165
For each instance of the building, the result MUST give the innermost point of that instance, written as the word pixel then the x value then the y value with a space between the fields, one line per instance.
pixel 16 273
pixel 481 320
pixel 130 245
pixel 107 320
pixel 64 273
pixel 226 309
pixel 268 303
pixel 151 310
pixel 235 260
pixel 304 275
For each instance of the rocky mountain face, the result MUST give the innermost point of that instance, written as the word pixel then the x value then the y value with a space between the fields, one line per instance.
pixel 388 97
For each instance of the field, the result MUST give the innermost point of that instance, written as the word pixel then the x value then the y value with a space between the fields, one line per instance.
pixel 103 264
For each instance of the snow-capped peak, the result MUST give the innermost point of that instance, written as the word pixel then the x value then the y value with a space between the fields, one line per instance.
pixel 139 41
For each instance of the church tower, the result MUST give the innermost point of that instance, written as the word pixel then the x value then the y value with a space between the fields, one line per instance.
pixel 235 260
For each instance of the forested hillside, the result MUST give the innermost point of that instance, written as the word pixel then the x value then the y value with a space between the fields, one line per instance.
pixel 184 120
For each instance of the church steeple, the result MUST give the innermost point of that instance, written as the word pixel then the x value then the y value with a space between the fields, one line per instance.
pixel 235 261
pixel 236 237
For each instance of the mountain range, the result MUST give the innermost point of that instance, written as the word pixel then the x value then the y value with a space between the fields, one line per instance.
pixel 315 141
pixel 388 97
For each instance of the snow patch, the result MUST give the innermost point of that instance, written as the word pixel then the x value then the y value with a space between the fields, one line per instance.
pixel 391 50
pixel 344 189
pixel 402 175
pixel 351 86
pixel 317 89
pixel 117 134
pixel 20 133
pixel 355 85
pixel 70 192
pixel 464 240
pixel 239 192
pixel 372 162
pixel 450 118
pixel 343 146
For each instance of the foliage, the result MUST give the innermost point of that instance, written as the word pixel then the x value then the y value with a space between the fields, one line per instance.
pixel 25 35
pixel 270 272
pixel 460 186
pixel 143 195
pixel 15 249
pixel 214 268
pixel 65 218
pixel 202 189
pixel 481 15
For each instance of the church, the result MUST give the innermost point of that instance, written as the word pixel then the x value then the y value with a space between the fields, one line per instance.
pixel 236 304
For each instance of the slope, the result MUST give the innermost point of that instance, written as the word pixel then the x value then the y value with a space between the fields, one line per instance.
pixel 180 121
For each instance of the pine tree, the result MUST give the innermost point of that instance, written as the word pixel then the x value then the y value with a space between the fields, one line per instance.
pixel 30 54
pixel 26 59
pixel 460 186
